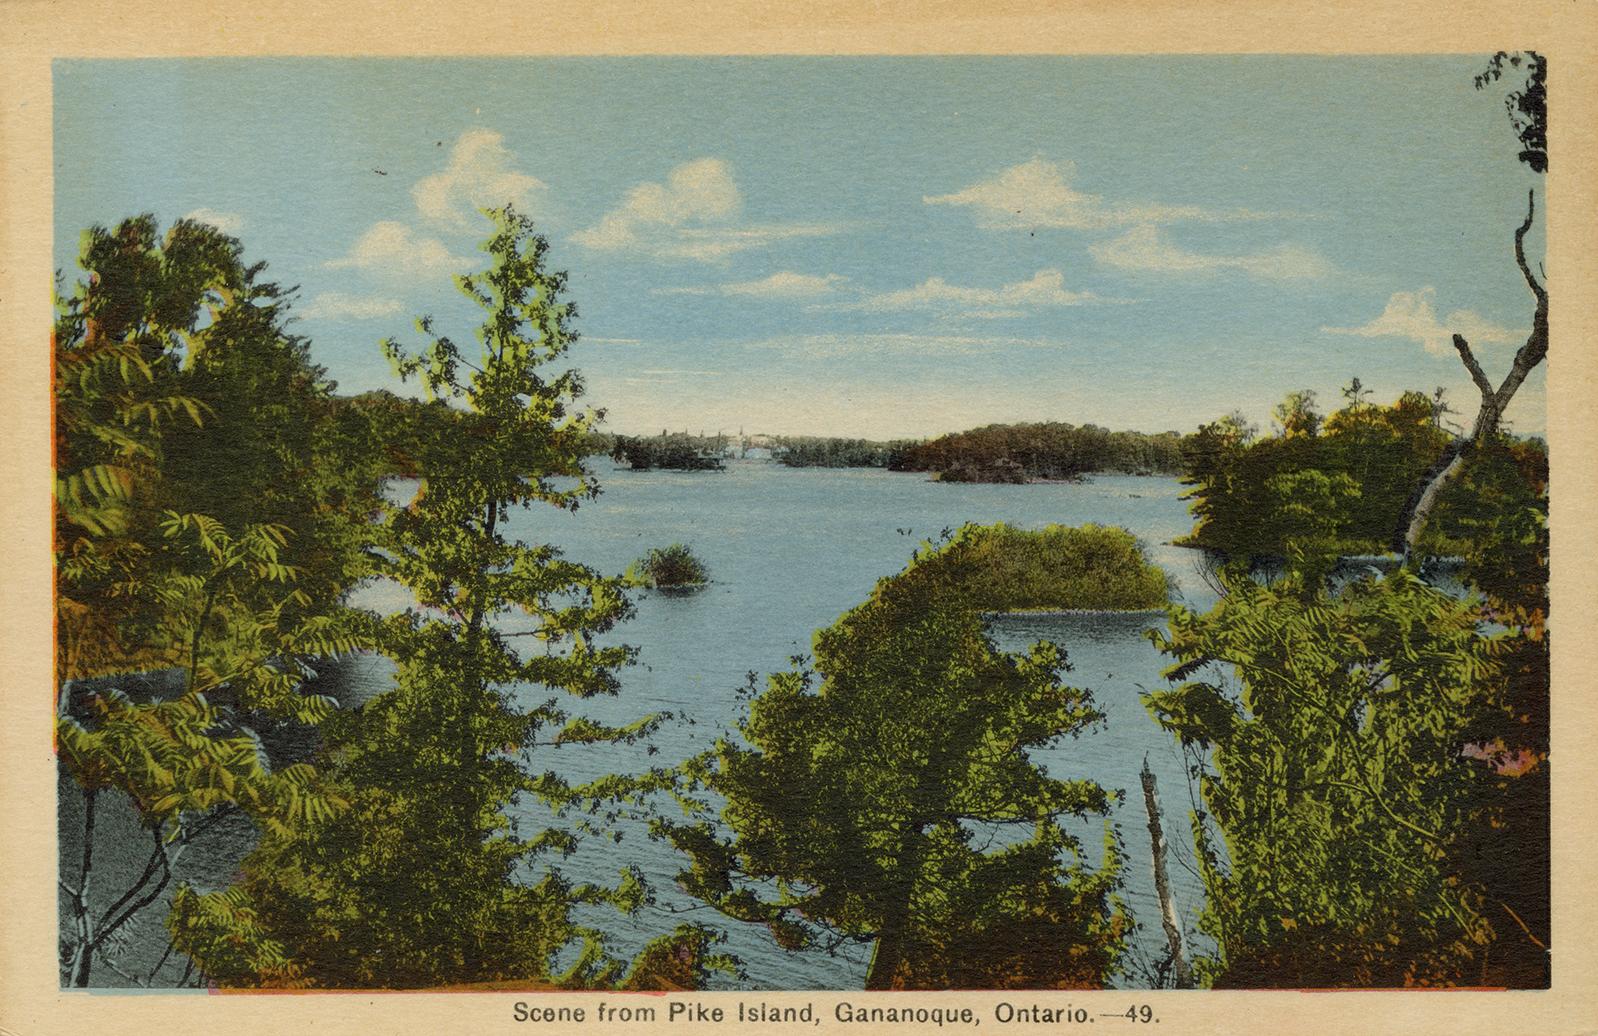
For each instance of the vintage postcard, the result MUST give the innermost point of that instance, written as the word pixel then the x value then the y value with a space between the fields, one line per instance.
pixel 649 531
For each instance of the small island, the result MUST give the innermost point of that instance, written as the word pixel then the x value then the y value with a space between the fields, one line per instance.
pixel 667 453
pixel 1057 568
pixel 675 567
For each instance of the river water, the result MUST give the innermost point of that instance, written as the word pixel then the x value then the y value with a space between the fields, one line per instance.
pixel 788 551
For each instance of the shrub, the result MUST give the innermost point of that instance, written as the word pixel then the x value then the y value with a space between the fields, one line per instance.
pixel 666 567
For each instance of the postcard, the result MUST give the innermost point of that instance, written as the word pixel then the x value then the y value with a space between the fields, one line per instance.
pixel 964 518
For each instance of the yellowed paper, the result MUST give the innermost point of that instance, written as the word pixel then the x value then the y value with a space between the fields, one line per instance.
pixel 33 35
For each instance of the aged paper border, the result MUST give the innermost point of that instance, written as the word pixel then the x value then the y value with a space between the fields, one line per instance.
pixel 32 32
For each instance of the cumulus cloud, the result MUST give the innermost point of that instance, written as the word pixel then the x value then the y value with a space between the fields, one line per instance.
pixel 1038 194
pixel 1146 249
pixel 784 284
pixel 395 248
pixel 335 305
pixel 1045 288
pixel 1412 315
pixel 693 215
pixel 226 222
pixel 481 174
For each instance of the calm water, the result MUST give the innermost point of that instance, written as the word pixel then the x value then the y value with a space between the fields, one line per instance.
pixel 789 550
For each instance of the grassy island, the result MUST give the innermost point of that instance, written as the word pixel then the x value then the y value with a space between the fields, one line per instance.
pixel 667 568
pixel 1059 568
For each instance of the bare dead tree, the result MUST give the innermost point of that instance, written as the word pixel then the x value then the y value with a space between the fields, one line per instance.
pixel 1494 401
pixel 1170 920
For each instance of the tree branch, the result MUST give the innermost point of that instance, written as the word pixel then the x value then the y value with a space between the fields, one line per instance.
pixel 1520 249
pixel 1365 789
pixel 134 907
pixel 1540 944
pixel 1416 512
pixel 1477 375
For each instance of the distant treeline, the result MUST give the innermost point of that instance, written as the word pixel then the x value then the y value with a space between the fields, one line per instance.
pixel 1047 450
pixel 678 452
pixel 806 451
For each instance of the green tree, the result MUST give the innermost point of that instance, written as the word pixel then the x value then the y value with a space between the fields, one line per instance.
pixel 1297 414
pixel 148 579
pixel 890 796
pixel 426 880
pixel 1340 807
pixel 1343 488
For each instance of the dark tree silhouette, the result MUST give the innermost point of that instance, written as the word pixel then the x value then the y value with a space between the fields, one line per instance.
pixel 1528 106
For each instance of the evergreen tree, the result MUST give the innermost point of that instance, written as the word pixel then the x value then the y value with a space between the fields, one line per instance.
pixel 426 880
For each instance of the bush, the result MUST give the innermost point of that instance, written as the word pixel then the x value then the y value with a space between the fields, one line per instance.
pixel 1090 568
pixel 665 567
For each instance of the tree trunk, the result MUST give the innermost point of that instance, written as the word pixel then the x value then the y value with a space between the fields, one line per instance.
pixel 1169 919
pixel 888 956
pixel 1412 522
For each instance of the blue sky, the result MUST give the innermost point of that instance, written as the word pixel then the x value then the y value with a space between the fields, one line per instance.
pixel 879 246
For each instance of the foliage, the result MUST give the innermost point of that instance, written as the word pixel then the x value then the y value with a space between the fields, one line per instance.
pixel 1051 450
pixel 671 452
pixel 890 795
pixel 425 880
pixel 1339 805
pixel 804 451
pixel 666 567
pixel 179 390
pixel 1330 485
pixel 681 960
pixel 1092 567
pixel 396 428
pixel 172 364
pixel 1510 851
pixel 1527 106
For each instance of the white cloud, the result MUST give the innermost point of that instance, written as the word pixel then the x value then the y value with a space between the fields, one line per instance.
pixel 1046 288
pixel 480 174
pixel 784 284
pixel 333 305
pixel 226 222
pixel 1038 194
pixel 395 248
pixel 693 215
pixel 1411 314
pixel 1146 249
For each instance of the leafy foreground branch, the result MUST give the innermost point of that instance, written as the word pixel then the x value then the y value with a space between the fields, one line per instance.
pixel 174 374
pixel 1369 787
pixel 888 795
